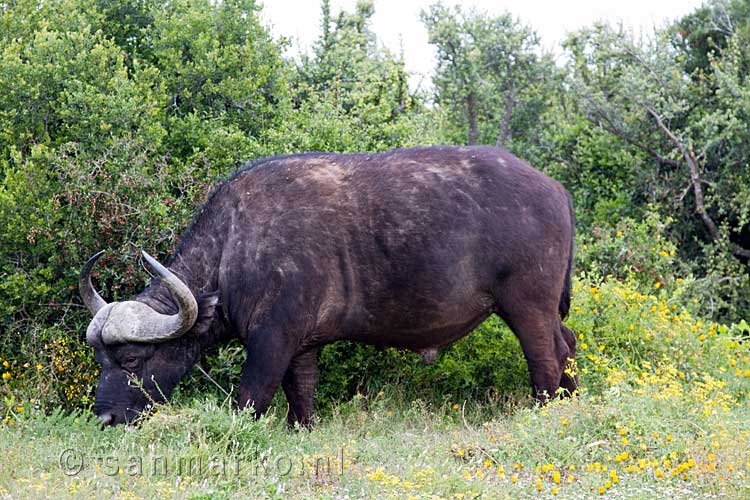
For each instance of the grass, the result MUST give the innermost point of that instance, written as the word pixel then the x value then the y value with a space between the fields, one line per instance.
pixel 623 445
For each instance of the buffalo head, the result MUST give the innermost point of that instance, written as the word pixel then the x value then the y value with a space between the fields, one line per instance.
pixel 142 352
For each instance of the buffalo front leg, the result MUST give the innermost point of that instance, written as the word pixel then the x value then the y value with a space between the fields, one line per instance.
pixel 268 357
pixel 299 387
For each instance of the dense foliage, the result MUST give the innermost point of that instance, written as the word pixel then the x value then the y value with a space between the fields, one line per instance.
pixel 118 117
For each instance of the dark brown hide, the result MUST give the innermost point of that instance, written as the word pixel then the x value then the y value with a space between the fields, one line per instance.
pixel 411 248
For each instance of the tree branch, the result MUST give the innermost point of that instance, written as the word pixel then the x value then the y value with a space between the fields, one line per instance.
pixel 696 181
pixel 509 101
pixel 606 124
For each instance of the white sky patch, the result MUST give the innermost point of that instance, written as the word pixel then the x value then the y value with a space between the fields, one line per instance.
pixel 397 24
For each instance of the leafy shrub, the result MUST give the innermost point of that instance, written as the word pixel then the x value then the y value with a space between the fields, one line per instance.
pixel 647 251
pixel 93 155
pixel 641 250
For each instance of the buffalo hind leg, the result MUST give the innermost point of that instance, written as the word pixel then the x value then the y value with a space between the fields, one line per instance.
pixel 299 387
pixel 546 351
pixel 569 379
pixel 267 360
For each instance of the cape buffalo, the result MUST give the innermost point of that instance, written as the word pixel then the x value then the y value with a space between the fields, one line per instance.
pixel 411 248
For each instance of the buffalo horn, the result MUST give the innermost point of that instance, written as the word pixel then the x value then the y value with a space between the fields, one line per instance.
pixel 93 300
pixel 175 325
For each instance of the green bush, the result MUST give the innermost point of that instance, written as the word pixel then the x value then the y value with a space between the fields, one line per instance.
pixel 106 144
pixel 640 250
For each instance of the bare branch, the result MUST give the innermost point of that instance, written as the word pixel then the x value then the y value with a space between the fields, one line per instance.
pixel 696 181
pixel 684 193
pixel 509 101
pixel 607 125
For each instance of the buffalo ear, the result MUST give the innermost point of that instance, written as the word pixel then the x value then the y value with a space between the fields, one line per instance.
pixel 207 312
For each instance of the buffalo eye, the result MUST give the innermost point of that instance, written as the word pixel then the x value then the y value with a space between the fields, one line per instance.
pixel 130 363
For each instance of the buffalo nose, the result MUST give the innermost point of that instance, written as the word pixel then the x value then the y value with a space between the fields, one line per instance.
pixel 106 419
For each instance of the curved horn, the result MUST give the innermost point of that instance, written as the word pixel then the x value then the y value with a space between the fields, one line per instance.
pixel 177 324
pixel 93 300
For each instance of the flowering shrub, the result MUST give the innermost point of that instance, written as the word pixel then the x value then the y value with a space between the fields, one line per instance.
pixel 629 340
pixel 638 250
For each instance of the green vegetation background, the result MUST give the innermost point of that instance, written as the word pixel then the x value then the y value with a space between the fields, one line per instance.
pixel 117 118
